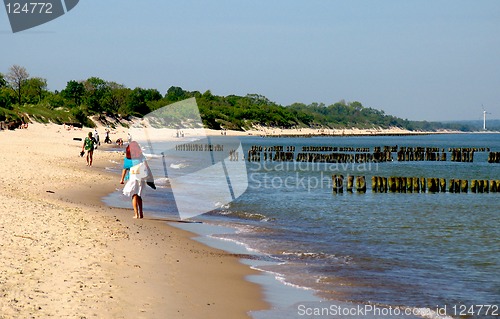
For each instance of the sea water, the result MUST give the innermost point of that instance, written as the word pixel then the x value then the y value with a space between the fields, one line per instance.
pixel 392 250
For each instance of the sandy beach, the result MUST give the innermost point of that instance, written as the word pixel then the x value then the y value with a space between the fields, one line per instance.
pixel 64 254
pixel 168 134
pixel 278 132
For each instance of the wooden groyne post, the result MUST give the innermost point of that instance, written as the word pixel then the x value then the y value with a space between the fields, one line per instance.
pixel 338 183
pixel 360 184
pixel 494 157
pixel 350 182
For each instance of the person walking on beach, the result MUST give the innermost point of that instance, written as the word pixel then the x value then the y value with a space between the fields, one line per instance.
pixel 96 138
pixel 88 145
pixel 137 172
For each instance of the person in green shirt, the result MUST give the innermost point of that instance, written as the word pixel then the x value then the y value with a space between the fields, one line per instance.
pixel 88 145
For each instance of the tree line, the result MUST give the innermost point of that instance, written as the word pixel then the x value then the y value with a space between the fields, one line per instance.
pixel 22 95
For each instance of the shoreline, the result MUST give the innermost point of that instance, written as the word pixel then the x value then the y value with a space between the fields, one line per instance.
pixel 172 135
pixel 106 263
pixel 322 132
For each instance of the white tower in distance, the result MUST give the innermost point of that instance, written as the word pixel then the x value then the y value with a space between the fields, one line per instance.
pixel 484 118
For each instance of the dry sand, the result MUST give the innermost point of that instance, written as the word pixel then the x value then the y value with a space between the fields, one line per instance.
pixel 168 134
pixel 63 254
pixel 277 132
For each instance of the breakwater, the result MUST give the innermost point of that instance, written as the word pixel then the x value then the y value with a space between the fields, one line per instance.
pixel 494 157
pixel 399 184
pixel 378 154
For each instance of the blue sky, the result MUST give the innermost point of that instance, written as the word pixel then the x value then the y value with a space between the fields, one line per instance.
pixel 416 59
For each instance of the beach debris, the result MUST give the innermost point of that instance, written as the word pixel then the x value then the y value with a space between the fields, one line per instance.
pixel 26 237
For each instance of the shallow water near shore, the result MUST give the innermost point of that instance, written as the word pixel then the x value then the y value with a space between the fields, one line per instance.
pixel 406 250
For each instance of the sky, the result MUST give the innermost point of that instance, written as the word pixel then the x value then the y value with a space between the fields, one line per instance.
pixel 429 60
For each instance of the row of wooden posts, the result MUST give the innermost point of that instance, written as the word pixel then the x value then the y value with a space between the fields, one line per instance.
pixel 338 183
pixel 275 148
pixel 413 185
pixel 335 149
pixel 494 157
pixel 197 147
pixel 342 157
pixel 420 154
pixel 318 154
pixel 256 156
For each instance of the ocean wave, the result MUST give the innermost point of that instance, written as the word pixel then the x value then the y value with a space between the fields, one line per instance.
pixel 427 313
pixel 161 182
pixel 251 250
pixel 178 166
pixel 148 155
pixel 280 277
pixel 222 205
pixel 283 281
pixel 246 215
pixel 317 256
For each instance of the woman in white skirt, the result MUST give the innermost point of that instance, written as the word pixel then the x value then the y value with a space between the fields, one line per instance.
pixel 136 171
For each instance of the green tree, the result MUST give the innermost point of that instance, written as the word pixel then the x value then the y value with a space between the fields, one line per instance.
pixel 138 100
pixel 208 95
pixel 17 77
pixel 3 81
pixel 6 98
pixel 95 90
pixel 115 98
pixel 259 99
pixel 54 100
pixel 152 95
pixel 81 117
pixel 74 91
pixel 35 89
pixel 175 93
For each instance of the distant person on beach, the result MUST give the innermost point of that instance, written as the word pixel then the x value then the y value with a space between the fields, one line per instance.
pixel 107 140
pixel 96 138
pixel 138 174
pixel 88 145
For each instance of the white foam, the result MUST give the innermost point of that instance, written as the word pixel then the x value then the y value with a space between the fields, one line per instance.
pixel 427 313
pixel 178 166
pixel 161 181
pixel 239 243
pixel 282 280
pixel 148 155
